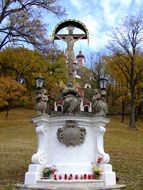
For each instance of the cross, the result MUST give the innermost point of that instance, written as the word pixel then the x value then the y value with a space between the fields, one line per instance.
pixel 70 29
pixel 70 39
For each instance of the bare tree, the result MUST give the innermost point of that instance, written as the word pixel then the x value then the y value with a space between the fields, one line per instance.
pixel 20 21
pixel 126 47
pixel 97 66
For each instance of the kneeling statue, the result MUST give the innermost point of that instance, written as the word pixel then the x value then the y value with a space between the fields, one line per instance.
pixel 100 107
pixel 41 102
pixel 71 99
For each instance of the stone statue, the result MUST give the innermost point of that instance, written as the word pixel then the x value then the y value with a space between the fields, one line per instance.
pixel 100 107
pixel 69 39
pixel 71 99
pixel 41 102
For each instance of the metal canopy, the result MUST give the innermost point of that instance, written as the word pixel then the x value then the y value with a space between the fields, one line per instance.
pixel 70 22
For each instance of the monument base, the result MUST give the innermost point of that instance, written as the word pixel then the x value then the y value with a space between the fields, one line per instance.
pixel 70 159
pixel 70 185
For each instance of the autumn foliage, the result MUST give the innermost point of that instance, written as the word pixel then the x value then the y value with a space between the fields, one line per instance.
pixel 11 92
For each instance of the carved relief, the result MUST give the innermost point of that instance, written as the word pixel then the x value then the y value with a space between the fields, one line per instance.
pixel 71 134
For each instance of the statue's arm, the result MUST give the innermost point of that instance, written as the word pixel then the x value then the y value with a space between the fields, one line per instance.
pixel 80 37
pixel 60 37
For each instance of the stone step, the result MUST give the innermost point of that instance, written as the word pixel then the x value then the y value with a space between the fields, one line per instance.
pixel 54 184
pixel 72 185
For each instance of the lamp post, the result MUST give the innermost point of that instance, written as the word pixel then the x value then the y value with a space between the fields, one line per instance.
pixel 41 98
pixel 20 79
pixel 103 83
pixel 39 82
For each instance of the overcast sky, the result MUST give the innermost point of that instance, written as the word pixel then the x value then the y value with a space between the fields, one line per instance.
pixel 99 16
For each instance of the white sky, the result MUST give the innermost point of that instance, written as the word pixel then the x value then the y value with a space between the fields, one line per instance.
pixel 99 16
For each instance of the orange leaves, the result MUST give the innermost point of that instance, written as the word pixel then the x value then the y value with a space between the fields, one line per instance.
pixel 10 91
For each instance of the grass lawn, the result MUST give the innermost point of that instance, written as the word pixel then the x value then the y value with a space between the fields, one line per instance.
pixel 18 143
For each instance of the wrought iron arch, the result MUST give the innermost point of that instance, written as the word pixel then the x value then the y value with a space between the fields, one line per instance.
pixel 71 22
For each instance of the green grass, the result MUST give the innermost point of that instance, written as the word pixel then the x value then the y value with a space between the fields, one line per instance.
pixel 18 142
pixel 125 148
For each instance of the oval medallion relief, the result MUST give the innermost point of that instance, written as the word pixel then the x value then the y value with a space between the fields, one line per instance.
pixel 71 134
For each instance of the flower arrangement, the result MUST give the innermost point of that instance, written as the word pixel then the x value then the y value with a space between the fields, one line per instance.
pixel 49 171
pixel 97 171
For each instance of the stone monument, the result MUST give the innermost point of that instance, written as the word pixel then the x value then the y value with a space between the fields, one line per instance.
pixel 71 142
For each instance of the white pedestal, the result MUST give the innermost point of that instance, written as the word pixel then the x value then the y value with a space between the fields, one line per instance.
pixel 34 173
pixel 69 159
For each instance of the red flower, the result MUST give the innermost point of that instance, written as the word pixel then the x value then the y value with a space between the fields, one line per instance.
pixel 99 160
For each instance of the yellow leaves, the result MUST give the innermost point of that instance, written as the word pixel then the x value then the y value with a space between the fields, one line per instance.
pixel 7 1
pixel 10 91
pixel 113 65
pixel 124 67
pixel 18 58
pixel 30 64
pixel 127 71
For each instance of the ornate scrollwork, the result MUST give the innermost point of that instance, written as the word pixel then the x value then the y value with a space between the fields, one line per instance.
pixel 71 134
pixel 39 158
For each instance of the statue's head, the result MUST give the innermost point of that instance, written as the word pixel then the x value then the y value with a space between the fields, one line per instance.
pixel 69 89
pixel 96 91
pixel 69 84
pixel 68 38
pixel 44 91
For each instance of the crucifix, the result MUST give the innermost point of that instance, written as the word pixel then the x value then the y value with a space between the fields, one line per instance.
pixel 70 39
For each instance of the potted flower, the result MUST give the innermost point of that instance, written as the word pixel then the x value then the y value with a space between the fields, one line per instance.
pixel 97 171
pixel 48 171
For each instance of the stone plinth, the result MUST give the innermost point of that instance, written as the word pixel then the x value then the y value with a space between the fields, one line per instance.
pixel 69 186
pixel 76 158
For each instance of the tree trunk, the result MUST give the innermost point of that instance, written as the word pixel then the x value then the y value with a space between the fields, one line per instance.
pixel 123 110
pixel 132 121
pixel 136 114
pixel 7 112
